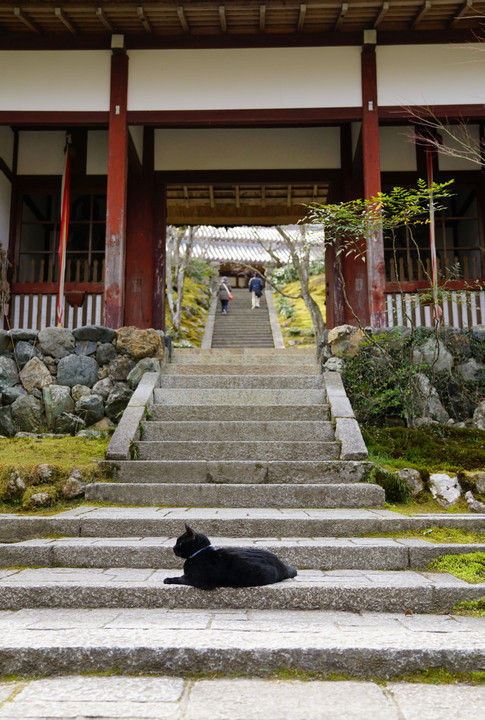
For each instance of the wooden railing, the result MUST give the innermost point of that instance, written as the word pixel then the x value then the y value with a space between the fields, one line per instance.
pixel 409 268
pixel 34 270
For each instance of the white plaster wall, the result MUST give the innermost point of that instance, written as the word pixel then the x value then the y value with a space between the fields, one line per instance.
pixel 459 137
pixel 430 74
pixel 97 153
pixel 397 149
pixel 253 149
pixel 6 145
pixel 41 152
pixel 136 132
pixel 244 78
pixel 55 80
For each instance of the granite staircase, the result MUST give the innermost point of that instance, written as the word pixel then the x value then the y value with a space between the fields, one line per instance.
pixel 242 327
pixel 252 447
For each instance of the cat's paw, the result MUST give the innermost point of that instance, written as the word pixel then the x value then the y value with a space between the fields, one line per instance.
pixel 169 581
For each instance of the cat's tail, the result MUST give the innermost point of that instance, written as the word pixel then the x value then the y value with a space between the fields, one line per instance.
pixel 291 571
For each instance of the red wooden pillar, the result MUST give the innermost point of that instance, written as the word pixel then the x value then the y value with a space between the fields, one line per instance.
pixel 376 274
pixel 159 256
pixel 140 235
pixel 114 287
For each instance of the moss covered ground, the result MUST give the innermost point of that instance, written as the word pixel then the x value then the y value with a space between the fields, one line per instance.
pixel 196 303
pixel 45 463
pixel 469 567
pixel 294 318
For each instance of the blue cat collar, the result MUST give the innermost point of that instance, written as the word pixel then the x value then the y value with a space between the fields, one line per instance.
pixel 207 547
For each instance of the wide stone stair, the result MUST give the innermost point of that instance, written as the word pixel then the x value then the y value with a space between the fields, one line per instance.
pixel 242 327
pixel 252 447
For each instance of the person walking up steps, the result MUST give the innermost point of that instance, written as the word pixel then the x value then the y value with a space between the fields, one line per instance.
pixel 224 294
pixel 256 290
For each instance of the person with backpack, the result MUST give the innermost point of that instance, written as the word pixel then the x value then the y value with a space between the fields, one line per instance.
pixel 256 290
pixel 224 294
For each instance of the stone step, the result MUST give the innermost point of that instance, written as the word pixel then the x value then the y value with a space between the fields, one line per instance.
pixel 235 450
pixel 315 553
pixel 232 495
pixel 241 369
pixel 273 356
pixel 236 382
pixel 242 471
pixel 61 641
pixel 343 590
pixel 253 413
pixel 301 430
pixel 243 343
pixel 227 397
pixel 119 522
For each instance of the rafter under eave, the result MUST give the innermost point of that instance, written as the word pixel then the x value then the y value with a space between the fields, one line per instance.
pixel 21 15
pixel 59 13
pixel 143 19
pixel 382 14
pixel 421 14
pixel 183 19
pixel 301 17
pixel 100 14
pixel 262 18
pixel 343 12
pixel 467 5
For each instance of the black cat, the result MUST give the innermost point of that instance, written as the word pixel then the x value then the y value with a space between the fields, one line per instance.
pixel 207 567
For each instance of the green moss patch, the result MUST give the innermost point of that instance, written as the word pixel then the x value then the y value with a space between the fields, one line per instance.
pixel 472 608
pixel 438 448
pixel 470 567
pixel 293 316
pixel 436 535
pixel 44 464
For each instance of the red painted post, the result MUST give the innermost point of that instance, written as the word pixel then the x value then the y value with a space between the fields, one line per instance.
pixel 159 256
pixel 376 273
pixel 114 293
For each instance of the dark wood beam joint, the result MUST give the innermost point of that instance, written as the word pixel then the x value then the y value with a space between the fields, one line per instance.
pixel 59 13
pixel 6 170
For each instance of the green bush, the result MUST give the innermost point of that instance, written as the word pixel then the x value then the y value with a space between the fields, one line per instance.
pixel 394 487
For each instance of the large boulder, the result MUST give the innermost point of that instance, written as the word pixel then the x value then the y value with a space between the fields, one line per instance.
pixel 56 342
pixel 138 343
pixel 412 479
pixel 120 368
pixel 3 340
pixel 143 366
pixel 472 370
pixel 57 400
pixel 90 408
pixel 428 402
pixel 117 401
pixel 28 414
pixel 103 387
pixel 69 424
pixel 479 416
pixel 94 333
pixel 10 394
pixel 8 372
pixel 77 370
pixel 35 375
pixel 435 354
pixel 345 340
pixel 86 347
pixel 105 353
pixel 24 351
pixel 445 489
pixel 7 425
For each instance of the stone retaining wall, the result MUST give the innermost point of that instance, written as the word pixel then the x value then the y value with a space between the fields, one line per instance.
pixel 62 381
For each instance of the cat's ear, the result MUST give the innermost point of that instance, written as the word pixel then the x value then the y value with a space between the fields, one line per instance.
pixel 189 530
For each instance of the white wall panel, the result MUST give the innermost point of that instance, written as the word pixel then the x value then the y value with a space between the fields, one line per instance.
pixel 97 153
pixel 221 149
pixel 397 149
pixel 41 152
pixel 430 74
pixel 244 78
pixel 6 145
pixel 55 80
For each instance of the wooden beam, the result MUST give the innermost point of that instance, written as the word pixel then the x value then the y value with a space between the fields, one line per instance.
pixel 263 195
pixel 382 14
pixel 143 19
pixel 59 13
pixel 301 17
pixel 100 14
pixel 21 15
pixel 4 168
pixel 376 274
pixel 238 199
pixel 186 196
pixel 114 295
pixel 467 5
pixel 343 12
pixel 421 13
pixel 211 195
pixel 288 196
pixel 262 18
pixel 222 18
pixel 183 19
